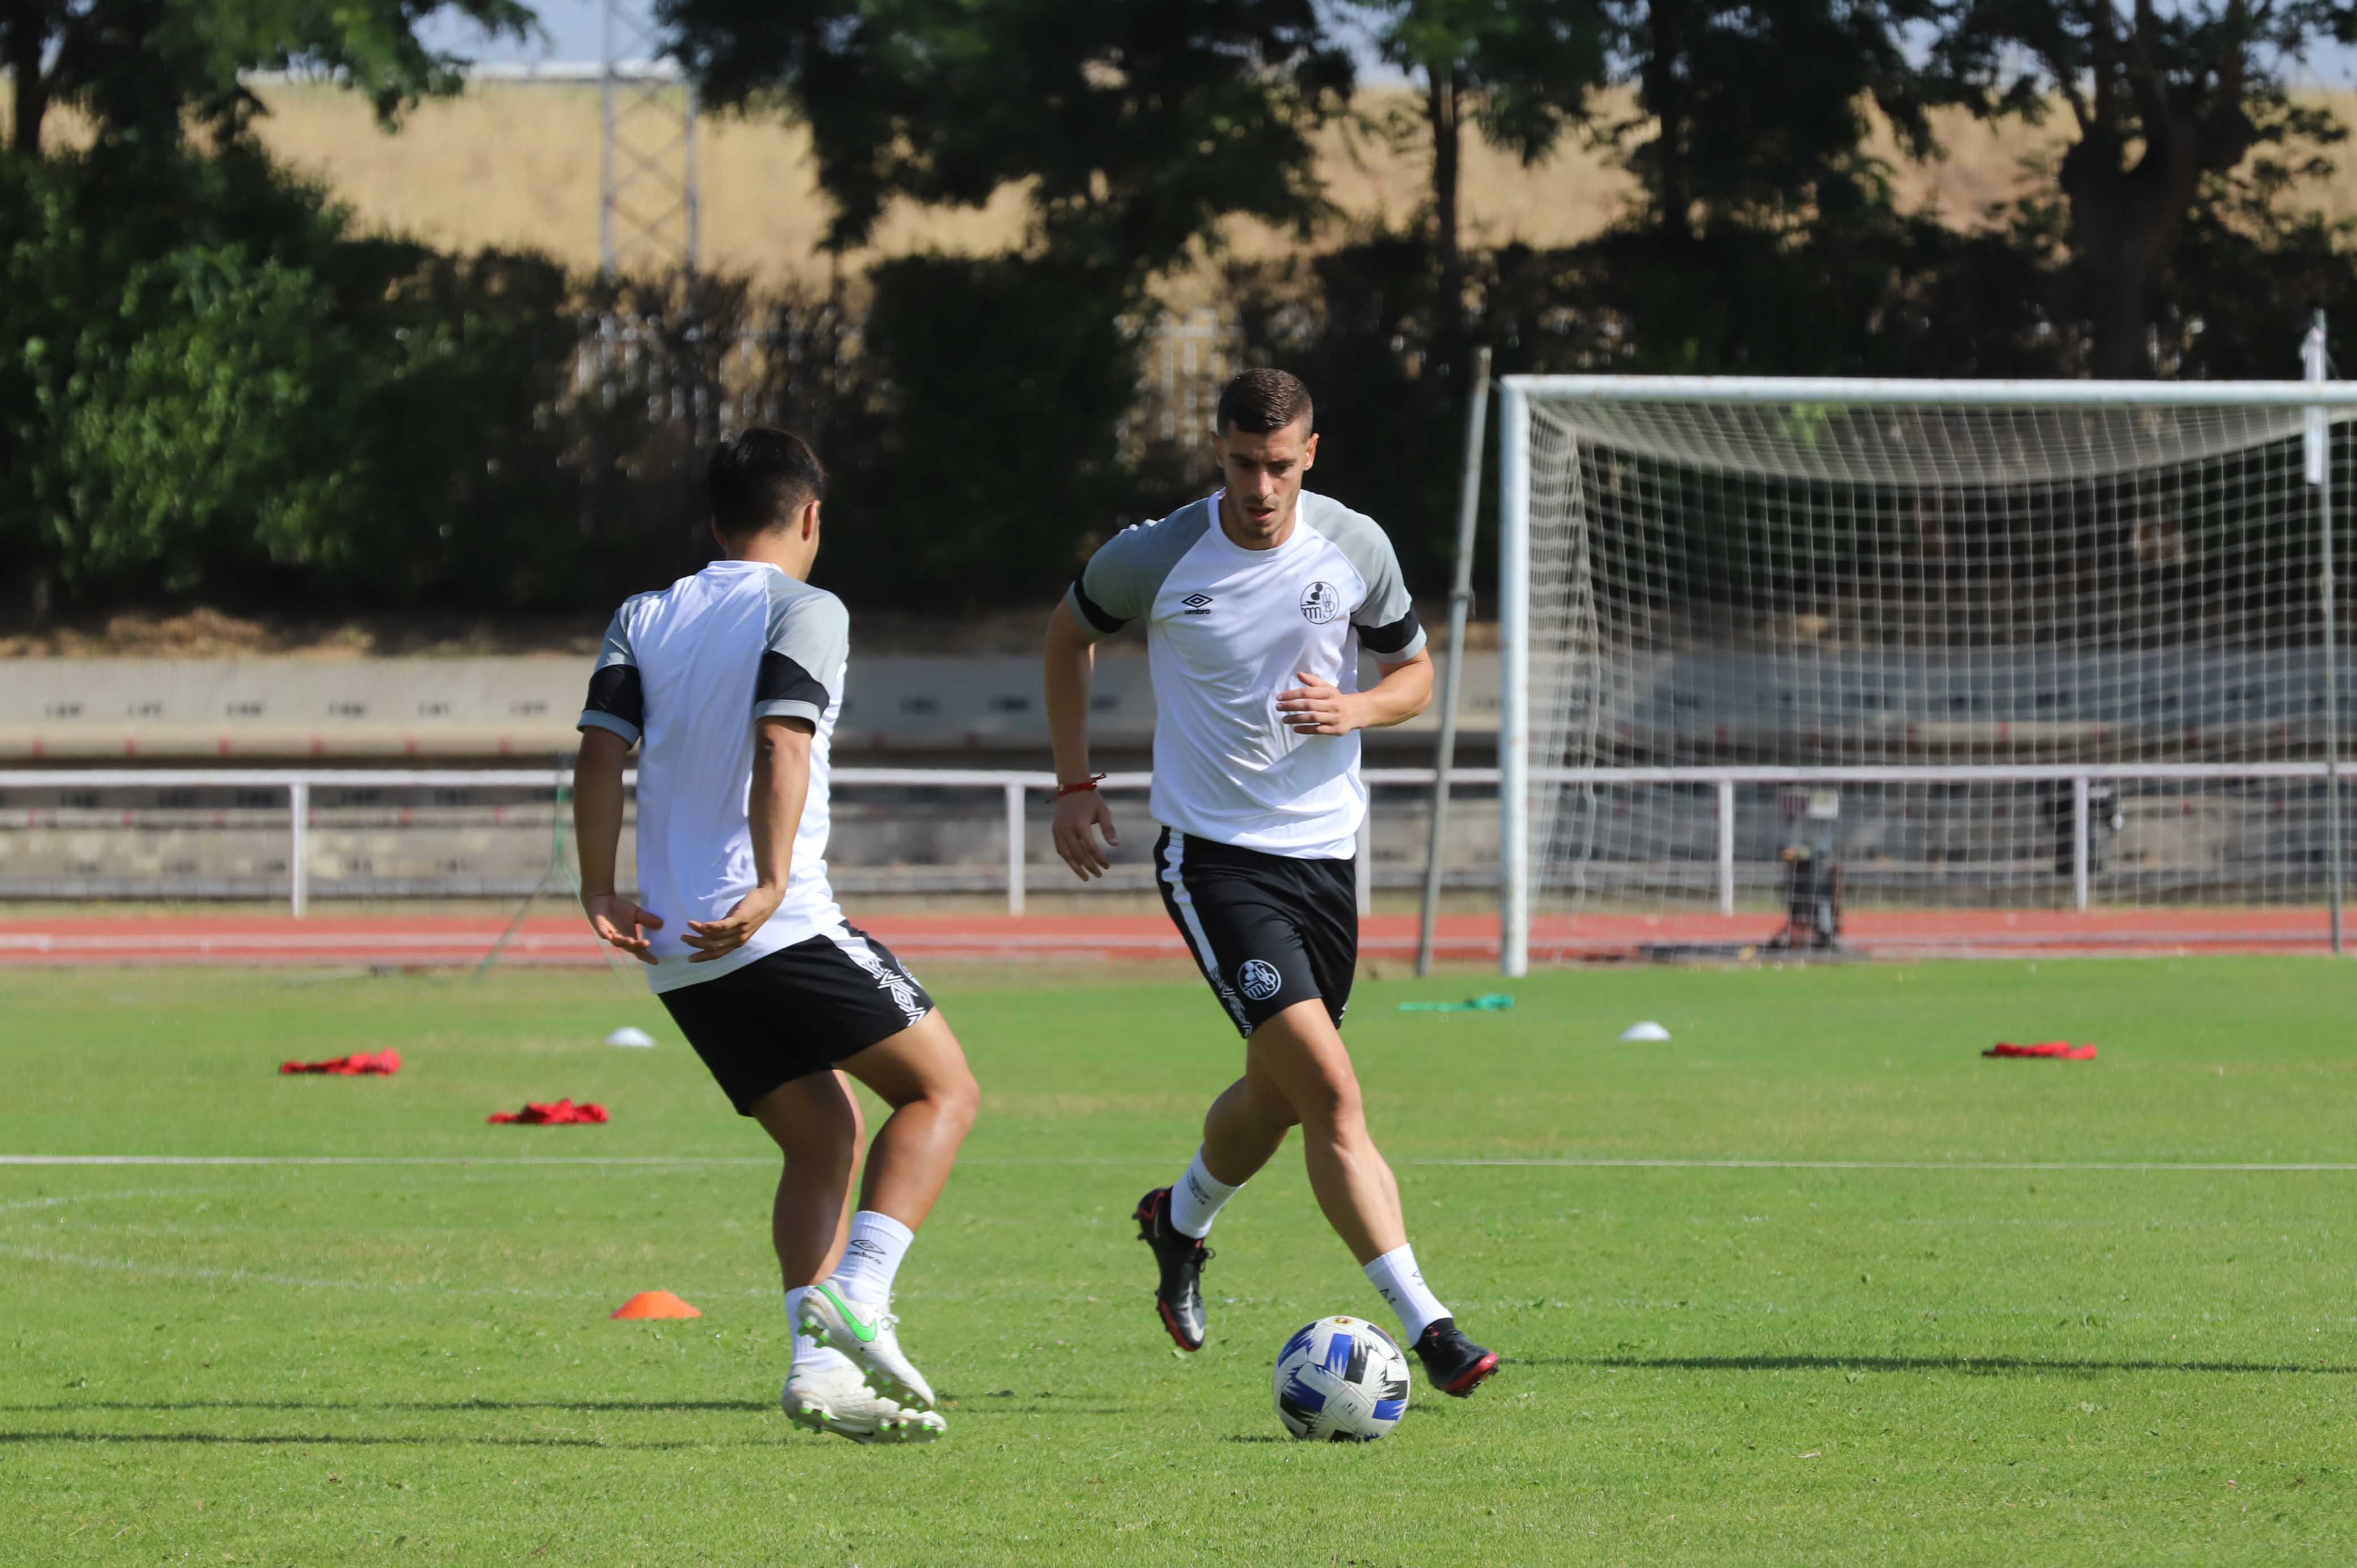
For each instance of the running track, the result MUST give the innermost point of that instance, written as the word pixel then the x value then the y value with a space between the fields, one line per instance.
pixel 417 942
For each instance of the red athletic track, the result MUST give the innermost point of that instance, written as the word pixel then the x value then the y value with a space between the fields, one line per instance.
pixel 441 942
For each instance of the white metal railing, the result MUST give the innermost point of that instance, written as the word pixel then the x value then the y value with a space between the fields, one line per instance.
pixel 298 783
pixel 2081 776
pixel 1015 787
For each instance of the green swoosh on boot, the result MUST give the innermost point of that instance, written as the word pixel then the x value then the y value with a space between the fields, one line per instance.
pixel 866 1331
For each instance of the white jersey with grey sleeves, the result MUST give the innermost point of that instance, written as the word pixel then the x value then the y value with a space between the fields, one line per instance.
pixel 1227 629
pixel 686 672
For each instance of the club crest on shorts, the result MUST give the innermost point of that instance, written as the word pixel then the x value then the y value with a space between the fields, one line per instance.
pixel 1258 979
pixel 1321 602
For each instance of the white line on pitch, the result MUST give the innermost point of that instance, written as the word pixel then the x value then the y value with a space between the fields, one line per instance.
pixel 1905 1164
pixel 63 1198
pixel 251 1276
pixel 622 1161
pixel 453 1160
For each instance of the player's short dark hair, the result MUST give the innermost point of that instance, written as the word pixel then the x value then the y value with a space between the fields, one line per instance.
pixel 1258 402
pixel 761 479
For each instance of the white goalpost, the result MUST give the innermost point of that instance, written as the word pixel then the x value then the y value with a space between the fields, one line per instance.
pixel 1974 660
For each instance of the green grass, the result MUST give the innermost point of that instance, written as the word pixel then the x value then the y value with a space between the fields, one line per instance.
pixel 411 1363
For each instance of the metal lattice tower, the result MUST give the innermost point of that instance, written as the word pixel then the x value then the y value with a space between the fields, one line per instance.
pixel 649 199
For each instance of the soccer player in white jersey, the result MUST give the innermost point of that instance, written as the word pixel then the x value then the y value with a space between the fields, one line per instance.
pixel 729 681
pixel 1256 602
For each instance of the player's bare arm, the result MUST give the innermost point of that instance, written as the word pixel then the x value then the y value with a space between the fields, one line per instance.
pixel 781 768
pixel 1081 812
pixel 598 829
pixel 1318 707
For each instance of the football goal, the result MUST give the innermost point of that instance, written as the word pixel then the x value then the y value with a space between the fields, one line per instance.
pixel 1978 662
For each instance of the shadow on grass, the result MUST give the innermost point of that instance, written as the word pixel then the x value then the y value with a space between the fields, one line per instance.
pixel 1988 1366
pixel 340 1440
pixel 584 1407
pixel 986 1405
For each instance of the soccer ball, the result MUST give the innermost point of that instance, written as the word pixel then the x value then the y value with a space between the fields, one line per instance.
pixel 1340 1379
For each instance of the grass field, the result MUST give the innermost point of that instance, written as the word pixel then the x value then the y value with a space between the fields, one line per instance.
pixel 1921 1350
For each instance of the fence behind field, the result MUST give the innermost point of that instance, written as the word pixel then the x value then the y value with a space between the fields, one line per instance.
pixel 2058 837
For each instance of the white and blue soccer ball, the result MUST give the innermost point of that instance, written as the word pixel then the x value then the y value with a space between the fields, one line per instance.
pixel 1340 1379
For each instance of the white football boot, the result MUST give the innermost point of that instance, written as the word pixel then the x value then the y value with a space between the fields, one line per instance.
pixel 838 1399
pixel 866 1334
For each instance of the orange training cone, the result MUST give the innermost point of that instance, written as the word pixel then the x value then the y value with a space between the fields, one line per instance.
pixel 655 1303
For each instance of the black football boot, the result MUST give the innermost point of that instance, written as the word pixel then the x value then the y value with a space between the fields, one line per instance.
pixel 1179 1295
pixel 1452 1363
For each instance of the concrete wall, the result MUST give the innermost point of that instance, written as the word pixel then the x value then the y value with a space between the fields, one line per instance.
pixel 60 841
pixel 1664 707
pixel 107 710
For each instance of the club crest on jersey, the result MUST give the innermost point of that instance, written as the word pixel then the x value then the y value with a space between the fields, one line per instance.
pixel 1258 979
pixel 1321 602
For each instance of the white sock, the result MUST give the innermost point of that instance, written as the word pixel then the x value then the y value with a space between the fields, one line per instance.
pixel 871 1257
pixel 810 1356
pixel 1402 1284
pixel 1198 1198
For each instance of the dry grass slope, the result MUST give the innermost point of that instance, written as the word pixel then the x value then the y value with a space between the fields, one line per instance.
pixel 516 165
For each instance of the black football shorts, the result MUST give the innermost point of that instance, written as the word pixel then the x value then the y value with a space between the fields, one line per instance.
pixel 796 1011
pixel 1268 931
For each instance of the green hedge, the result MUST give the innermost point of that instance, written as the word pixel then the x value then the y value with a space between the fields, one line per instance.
pixel 211 390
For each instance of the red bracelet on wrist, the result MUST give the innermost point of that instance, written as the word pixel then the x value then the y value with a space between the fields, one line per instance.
pixel 1089 783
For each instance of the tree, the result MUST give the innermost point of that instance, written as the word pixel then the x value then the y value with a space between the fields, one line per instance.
pixel 1137 125
pixel 1133 128
pixel 2161 103
pixel 1522 71
pixel 210 386
pixel 1759 113
pixel 137 67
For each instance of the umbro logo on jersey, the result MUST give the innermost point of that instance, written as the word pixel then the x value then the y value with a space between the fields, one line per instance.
pixel 1321 602
pixel 1198 604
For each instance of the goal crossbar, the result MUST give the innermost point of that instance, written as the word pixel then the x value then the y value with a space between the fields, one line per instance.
pixel 1860 390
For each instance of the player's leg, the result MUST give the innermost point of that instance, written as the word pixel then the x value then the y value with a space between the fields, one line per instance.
pixel 772 1033
pixel 809 1218
pixel 919 1071
pixel 922 1074
pixel 1301 1056
pixel 1242 1131
pixel 815 1122
pixel 1239 912
pixel 1301 1051
pixel 786 1086
pixel 1246 1122
pixel 1329 913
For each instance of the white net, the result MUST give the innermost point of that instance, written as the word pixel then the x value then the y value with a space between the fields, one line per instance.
pixel 1999 658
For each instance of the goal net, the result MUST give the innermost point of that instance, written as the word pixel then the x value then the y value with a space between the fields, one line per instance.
pixel 2028 662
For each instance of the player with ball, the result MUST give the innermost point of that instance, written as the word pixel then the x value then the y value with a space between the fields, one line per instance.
pixel 1257 600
